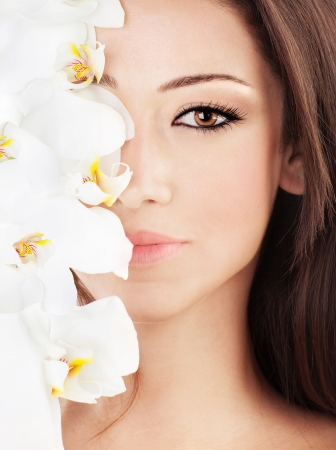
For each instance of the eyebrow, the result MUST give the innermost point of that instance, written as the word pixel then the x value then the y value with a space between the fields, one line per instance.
pixel 198 79
pixel 110 81
pixel 107 80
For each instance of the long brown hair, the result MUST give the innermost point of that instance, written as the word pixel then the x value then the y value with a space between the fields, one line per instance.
pixel 292 308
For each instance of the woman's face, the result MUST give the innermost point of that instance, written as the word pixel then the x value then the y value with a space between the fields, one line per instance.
pixel 206 155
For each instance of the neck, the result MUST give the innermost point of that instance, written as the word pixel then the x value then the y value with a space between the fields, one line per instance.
pixel 195 365
pixel 205 349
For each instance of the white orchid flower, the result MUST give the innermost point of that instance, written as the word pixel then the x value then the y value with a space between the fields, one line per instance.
pixel 82 236
pixel 81 64
pixel 30 273
pixel 34 47
pixel 34 248
pixel 90 185
pixel 80 356
pixel 68 224
pixel 51 348
pixel 88 351
pixel 52 284
pixel 20 247
pixel 25 187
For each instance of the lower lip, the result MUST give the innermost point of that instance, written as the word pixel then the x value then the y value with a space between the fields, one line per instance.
pixel 149 254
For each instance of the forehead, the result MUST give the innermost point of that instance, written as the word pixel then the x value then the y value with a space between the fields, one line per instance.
pixel 165 39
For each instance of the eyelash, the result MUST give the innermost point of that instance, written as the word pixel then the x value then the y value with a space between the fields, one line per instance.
pixel 233 115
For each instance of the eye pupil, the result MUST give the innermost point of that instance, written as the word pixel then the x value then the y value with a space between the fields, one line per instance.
pixel 206 118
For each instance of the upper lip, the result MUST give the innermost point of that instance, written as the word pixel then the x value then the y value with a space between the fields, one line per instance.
pixel 150 238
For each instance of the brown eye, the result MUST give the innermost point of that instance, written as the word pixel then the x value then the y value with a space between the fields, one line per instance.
pixel 202 119
pixel 205 118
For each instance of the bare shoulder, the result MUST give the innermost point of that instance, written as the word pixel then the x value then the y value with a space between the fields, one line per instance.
pixel 319 431
pixel 287 426
pixel 307 430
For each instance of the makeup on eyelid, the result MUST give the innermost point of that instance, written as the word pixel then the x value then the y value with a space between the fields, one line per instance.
pixel 228 114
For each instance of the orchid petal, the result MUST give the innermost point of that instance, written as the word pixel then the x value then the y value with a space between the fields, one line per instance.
pixel 66 53
pixel 98 60
pixel 55 373
pixel 108 14
pixel 25 207
pixel 114 185
pixel 32 291
pixel 69 225
pixel 10 288
pixel 76 356
pixel 36 94
pixel 9 109
pixel 83 182
pixel 121 270
pixel 81 64
pixel 38 162
pixel 74 390
pixel 61 12
pixel 111 386
pixel 97 187
pixel 99 128
pixel 91 194
pixel 72 182
pixel 88 167
pixel 67 165
pixel 21 6
pixel 44 250
pixel 111 324
pixel 91 32
pixel 108 161
pixel 9 148
pixel 22 386
pixel 92 326
pixel 8 236
pixel 5 215
pixel 11 182
pixel 103 95
pixel 35 47
pixel 60 291
pixel 8 26
pixel 38 326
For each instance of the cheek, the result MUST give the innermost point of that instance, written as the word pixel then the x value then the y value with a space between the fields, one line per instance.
pixel 232 202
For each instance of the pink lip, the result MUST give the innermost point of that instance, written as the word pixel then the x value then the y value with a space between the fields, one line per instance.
pixel 150 247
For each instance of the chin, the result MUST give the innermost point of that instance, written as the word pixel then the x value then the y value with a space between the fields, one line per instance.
pixel 144 305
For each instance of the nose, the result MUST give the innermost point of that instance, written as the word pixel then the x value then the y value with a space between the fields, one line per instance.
pixel 151 180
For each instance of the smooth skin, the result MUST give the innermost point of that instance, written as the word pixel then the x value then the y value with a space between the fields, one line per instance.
pixel 213 189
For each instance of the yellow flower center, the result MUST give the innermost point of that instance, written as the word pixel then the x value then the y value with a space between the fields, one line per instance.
pixel 81 71
pixel 23 249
